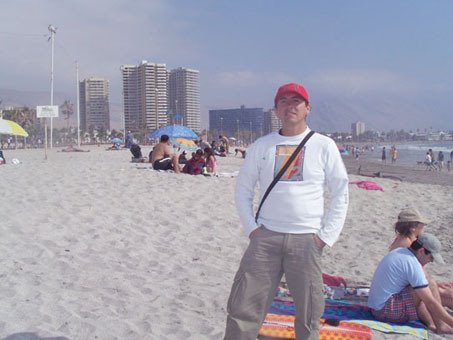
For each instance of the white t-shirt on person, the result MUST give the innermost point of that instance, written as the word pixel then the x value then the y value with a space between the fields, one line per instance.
pixel 296 203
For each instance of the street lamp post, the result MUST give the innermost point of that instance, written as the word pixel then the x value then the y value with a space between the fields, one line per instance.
pixel 237 140
pixel 176 112
pixel 78 104
pixel 221 126
pixel 157 107
pixel 250 132
pixel 52 31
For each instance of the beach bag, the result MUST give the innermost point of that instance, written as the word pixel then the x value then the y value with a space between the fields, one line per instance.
pixel 136 151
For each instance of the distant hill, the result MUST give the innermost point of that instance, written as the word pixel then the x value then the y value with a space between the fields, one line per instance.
pixel 335 113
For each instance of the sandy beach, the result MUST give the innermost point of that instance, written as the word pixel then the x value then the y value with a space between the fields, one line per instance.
pixel 95 247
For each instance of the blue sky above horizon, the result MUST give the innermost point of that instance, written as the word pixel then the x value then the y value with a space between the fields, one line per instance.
pixel 243 49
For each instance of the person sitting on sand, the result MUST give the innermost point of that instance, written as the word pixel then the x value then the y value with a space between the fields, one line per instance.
pixel 225 143
pixel 242 151
pixel 409 227
pixel 401 292
pixel 136 153
pixel 163 157
pixel 196 164
pixel 211 162
pixel 182 159
pixel 71 148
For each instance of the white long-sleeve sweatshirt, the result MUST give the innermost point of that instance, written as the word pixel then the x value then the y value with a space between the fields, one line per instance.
pixel 296 203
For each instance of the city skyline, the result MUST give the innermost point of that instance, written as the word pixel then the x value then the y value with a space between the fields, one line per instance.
pixel 384 63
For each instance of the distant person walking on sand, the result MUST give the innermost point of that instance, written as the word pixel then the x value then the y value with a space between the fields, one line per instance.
pixel 431 153
pixel 129 139
pixel 428 161
pixel 288 234
pixel 401 292
pixel 440 159
pixel 384 156
pixel 163 157
pixel 451 156
pixel 393 154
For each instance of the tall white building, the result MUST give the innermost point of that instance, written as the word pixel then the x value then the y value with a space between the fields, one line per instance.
pixel 145 96
pixel 358 128
pixel 271 122
pixel 184 97
pixel 94 104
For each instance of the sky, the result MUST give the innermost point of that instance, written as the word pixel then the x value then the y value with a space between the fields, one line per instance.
pixel 244 49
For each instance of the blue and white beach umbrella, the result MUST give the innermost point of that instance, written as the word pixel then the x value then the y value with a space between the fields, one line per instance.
pixel 174 131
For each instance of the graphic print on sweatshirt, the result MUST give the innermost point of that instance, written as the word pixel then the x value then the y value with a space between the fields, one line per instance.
pixel 295 169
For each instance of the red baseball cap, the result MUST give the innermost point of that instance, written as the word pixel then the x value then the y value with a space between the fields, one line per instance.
pixel 291 88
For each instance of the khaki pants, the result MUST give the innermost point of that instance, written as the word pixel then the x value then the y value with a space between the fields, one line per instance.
pixel 268 256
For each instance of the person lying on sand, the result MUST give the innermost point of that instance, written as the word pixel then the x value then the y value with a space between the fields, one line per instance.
pixel 401 292
pixel 71 148
pixel 163 157
pixel 410 225
pixel 115 146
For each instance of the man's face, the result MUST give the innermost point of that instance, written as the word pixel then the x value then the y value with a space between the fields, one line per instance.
pixel 292 109
pixel 424 256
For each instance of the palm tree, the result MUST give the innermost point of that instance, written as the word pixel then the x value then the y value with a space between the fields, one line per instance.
pixel 67 109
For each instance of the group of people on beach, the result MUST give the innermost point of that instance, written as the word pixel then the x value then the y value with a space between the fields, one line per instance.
pixel 293 167
pixel 432 164
pixel 163 157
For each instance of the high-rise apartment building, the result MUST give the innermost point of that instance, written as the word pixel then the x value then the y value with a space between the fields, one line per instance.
pixel 184 97
pixel 145 96
pixel 358 128
pixel 94 104
pixel 271 122
pixel 237 122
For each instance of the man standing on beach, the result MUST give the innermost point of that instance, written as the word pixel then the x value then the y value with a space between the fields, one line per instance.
pixel 292 229
pixel 401 292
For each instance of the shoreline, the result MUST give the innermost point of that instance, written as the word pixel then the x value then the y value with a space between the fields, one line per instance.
pixel 410 174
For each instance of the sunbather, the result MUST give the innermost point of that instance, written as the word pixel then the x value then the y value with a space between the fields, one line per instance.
pixel 211 162
pixel 163 157
pixel 71 148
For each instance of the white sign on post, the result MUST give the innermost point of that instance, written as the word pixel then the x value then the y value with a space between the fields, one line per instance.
pixel 47 111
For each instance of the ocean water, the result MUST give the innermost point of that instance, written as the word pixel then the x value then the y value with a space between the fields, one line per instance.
pixel 410 153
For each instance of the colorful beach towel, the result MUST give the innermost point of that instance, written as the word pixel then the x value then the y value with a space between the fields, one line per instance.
pixel 368 185
pixel 282 327
pixel 344 310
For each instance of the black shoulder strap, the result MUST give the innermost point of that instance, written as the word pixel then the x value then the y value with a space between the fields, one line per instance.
pixel 282 171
